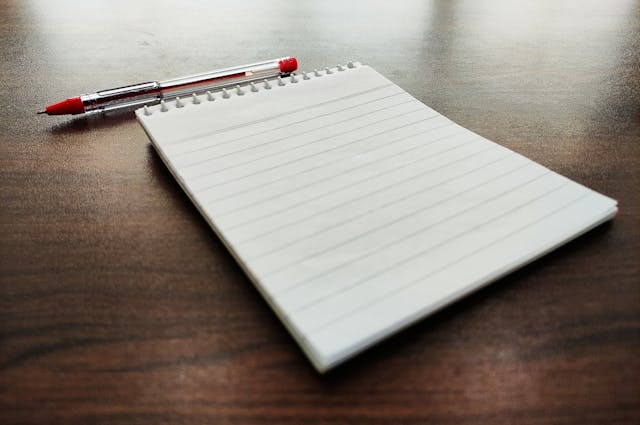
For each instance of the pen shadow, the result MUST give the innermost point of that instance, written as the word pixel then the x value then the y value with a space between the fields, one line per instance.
pixel 84 123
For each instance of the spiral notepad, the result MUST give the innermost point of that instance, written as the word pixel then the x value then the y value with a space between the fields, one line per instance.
pixel 354 208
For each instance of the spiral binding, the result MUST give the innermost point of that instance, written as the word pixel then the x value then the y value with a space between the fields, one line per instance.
pixel 237 90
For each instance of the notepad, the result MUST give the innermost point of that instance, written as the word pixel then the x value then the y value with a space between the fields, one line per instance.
pixel 354 208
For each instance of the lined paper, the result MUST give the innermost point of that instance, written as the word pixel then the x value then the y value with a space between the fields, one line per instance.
pixel 355 209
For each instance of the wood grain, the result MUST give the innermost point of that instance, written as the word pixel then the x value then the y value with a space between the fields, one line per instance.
pixel 118 305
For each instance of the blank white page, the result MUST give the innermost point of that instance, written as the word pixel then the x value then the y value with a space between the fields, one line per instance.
pixel 354 208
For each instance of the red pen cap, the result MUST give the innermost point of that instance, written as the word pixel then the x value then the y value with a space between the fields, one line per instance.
pixel 288 65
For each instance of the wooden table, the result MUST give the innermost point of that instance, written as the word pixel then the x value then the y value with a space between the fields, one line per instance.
pixel 118 305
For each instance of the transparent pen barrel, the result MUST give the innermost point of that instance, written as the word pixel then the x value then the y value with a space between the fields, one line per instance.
pixel 213 80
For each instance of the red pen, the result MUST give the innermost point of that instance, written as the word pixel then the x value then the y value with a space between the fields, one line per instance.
pixel 152 92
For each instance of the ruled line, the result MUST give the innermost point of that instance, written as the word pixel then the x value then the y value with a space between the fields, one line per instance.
pixel 342 188
pixel 332 161
pixel 287 192
pixel 465 143
pixel 395 242
pixel 452 263
pixel 210 146
pixel 372 210
pixel 315 154
pixel 272 117
pixel 362 196
pixel 397 220
pixel 220 170
pixel 290 136
pixel 430 249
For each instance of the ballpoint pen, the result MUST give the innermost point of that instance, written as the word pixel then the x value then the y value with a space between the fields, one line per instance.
pixel 152 92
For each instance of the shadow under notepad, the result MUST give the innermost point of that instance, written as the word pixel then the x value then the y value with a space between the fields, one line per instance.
pixel 486 308
pixel 160 173
pixel 489 309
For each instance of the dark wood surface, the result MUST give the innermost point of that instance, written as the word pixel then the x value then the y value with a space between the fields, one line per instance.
pixel 118 305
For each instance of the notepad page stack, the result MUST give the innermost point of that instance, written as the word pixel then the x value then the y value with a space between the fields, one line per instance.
pixel 354 208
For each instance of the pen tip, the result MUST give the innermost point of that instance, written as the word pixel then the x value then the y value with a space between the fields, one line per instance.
pixel 41 112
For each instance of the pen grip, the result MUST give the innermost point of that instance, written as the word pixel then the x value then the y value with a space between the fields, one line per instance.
pixel 132 93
